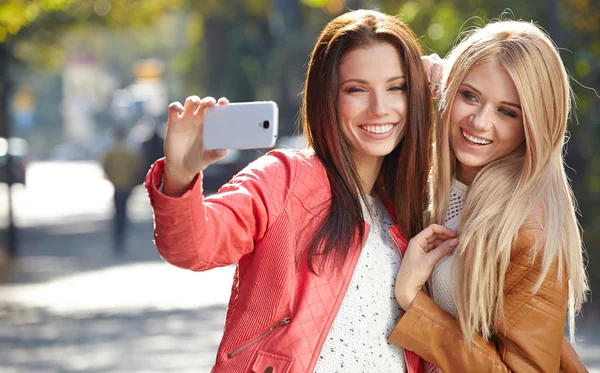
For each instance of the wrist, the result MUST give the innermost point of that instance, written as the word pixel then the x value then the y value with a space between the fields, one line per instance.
pixel 175 182
pixel 406 297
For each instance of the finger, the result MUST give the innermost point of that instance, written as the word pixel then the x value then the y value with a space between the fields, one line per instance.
pixel 435 60
pixel 434 244
pixel 438 239
pixel 433 232
pixel 204 103
pixel 190 105
pixel 427 64
pixel 175 109
pixel 223 101
pixel 447 248
pixel 433 90
pixel 440 236
pixel 429 235
pixel 441 230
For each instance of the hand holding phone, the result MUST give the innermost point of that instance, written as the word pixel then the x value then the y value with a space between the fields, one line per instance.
pixel 185 154
pixel 187 151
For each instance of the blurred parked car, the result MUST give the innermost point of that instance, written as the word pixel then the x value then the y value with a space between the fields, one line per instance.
pixel 13 158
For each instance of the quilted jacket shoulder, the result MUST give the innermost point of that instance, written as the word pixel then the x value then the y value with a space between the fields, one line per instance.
pixel 200 233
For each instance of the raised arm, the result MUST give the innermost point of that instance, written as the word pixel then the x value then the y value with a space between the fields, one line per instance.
pixel 197 233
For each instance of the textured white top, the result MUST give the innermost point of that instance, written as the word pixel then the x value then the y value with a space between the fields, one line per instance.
pixel 357 340
pixel 442 278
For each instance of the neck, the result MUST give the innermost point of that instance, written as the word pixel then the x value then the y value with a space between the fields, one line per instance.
pixel 368 170
pixel 466 174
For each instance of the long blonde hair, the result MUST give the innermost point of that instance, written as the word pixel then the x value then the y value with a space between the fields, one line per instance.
pixel 504 192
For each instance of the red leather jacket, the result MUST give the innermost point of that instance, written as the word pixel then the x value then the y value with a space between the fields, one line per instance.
pixel 279 312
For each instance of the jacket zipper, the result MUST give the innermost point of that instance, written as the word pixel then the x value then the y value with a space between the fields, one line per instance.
pixel 271 329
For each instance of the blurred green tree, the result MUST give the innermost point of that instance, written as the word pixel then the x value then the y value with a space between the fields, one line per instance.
pixel 29 31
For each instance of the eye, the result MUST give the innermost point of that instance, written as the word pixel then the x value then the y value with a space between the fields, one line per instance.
pixel 508 113
pixel 469 96
pixel 355 89
pixel 401 87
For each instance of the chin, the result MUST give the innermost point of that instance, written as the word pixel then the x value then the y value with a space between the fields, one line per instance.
pixel 471 161
pixel 381 152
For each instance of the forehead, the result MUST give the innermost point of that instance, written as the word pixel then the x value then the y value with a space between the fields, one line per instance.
pixel 493 81
pixel 380 59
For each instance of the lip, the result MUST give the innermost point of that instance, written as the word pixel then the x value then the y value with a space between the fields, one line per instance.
pixel 377 136
pixel 461 130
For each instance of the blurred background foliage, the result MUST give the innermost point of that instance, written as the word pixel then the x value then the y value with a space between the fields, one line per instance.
pixel 258 50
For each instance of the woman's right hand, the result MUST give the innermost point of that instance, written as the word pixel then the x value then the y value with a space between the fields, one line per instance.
pixel 422 254
pixel 185 155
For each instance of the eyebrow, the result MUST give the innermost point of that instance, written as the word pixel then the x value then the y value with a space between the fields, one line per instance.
pixel 502 102
pixel 362 81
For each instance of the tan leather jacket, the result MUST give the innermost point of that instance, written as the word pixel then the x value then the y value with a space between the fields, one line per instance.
pixel 529 339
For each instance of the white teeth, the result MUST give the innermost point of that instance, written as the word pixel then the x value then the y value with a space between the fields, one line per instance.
pixel 378 129
pixel 475 139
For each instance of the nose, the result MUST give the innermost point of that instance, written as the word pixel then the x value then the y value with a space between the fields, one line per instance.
pixel 378 107
pixel 482 119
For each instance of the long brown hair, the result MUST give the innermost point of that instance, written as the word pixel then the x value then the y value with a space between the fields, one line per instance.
pixel 402 180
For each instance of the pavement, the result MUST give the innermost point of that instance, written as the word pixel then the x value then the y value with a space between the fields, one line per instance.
pixel 69 304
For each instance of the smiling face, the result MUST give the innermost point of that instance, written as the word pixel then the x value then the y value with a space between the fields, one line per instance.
pixel 372 101
pixel 486 120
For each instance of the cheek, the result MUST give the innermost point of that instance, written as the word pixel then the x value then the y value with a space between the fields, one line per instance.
pixel 400 105
pixel 349 109
pixel 346 113
pixel 344 109
pixel 514 135
pixel 458 112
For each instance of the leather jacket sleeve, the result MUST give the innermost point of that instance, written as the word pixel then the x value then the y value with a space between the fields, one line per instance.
pixel 529 337
pixel 569 360
pixel 199 233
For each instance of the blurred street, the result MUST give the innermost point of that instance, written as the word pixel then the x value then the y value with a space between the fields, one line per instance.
pixel 70 305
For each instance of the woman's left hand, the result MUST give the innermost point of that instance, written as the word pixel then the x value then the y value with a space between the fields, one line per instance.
pixel 434 67
pixel 423 252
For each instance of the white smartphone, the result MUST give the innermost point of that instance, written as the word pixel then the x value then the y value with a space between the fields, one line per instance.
pixel 241 125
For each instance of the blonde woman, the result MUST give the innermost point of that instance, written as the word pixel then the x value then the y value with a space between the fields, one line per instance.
pixel 500 297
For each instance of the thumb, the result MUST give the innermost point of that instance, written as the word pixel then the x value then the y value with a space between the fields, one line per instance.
pixel 211 156
pixel 442 250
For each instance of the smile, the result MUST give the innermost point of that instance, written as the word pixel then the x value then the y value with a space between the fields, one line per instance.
pixel 378 129
pixel 474 140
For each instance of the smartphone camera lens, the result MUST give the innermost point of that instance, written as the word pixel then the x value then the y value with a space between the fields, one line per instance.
pixel 266 124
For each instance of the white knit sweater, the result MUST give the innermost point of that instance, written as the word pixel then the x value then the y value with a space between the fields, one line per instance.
pixel 357 341
pixel 442 278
